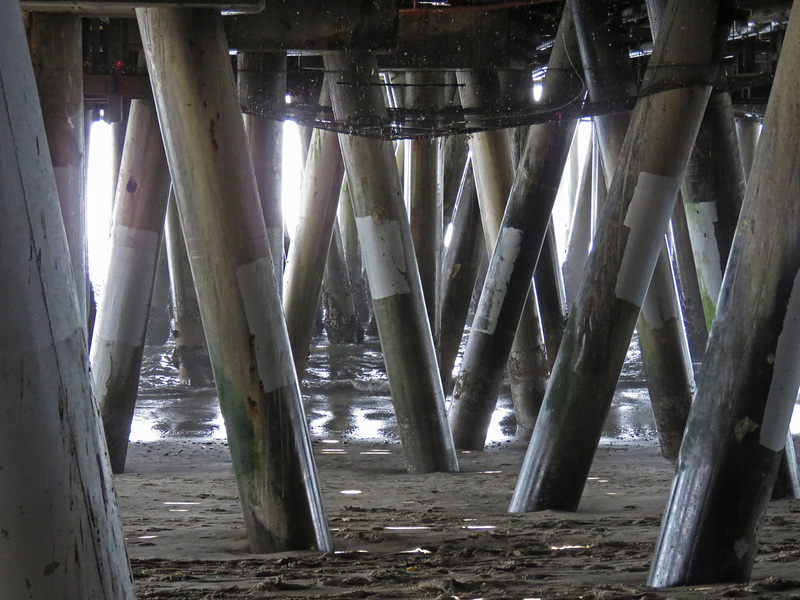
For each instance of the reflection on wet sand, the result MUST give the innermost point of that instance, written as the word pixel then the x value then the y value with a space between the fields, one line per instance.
pixel 346 394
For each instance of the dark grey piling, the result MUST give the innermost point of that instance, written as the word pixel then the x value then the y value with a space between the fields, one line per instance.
pixel 56 52
pixel 460 264
pixel 516 252
pixel 493 171
pixel 749 379
pixel 635 217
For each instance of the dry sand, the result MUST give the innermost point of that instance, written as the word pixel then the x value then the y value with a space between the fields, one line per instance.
pixel 186 537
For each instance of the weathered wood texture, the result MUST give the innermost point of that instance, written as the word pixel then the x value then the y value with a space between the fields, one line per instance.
pixel 749 379
pixel 392 270
pixel 201 122
pixel 61 532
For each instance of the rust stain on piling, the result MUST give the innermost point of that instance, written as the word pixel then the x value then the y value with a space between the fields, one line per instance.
pixel 252 405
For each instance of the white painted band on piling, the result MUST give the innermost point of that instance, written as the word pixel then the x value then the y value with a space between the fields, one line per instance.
pixel 121 318
pixel 785 377
pixel 264 313
pixel 702 216
pixel 659 309
pixel 647 217
pixel 384 259
pixel 509 242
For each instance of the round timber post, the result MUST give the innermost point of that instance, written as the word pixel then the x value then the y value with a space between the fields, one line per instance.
pixel 748 382
pixel 226 238
pixel 61 532
pixel 57 54
pixel 262 88
pixel 460 264
pixel 136 228
pixel 352 255
pixel 191 352
pixel 340 318
pixel 388 251
pixel 629 237
pixel 305 263
pixel 662 337
pixel 519 242
pixel 493 172
pixel 421 195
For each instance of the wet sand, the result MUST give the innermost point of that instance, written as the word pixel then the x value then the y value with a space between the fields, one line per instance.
pixel 437 536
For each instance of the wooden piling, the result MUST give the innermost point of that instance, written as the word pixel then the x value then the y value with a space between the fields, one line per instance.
pixel 56 47
pixel 460 264
pixel 421 195
pixel 352 255
pixel 61 531
pixel 392 271
pixel 340 319
pixel 305 263
pixel 662 338
pixel 191 351
pixel 749 379
pixel 493 172
pixel 516 252
pixel 136 228
pixel 201 123
pixel 262 86
pixel 635 216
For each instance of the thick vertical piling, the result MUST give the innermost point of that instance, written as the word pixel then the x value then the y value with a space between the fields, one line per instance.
pixel 388 251
pixel 226 238
pixel 493 171
pixel 749 379
pixel 57 55
pixel 635 216
pixel 262 85
pixel 136 227
pixel 191 352
pixel 460 264
pixel 516 252
pixel 305 263
pixel 662 338
pixel 61 531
